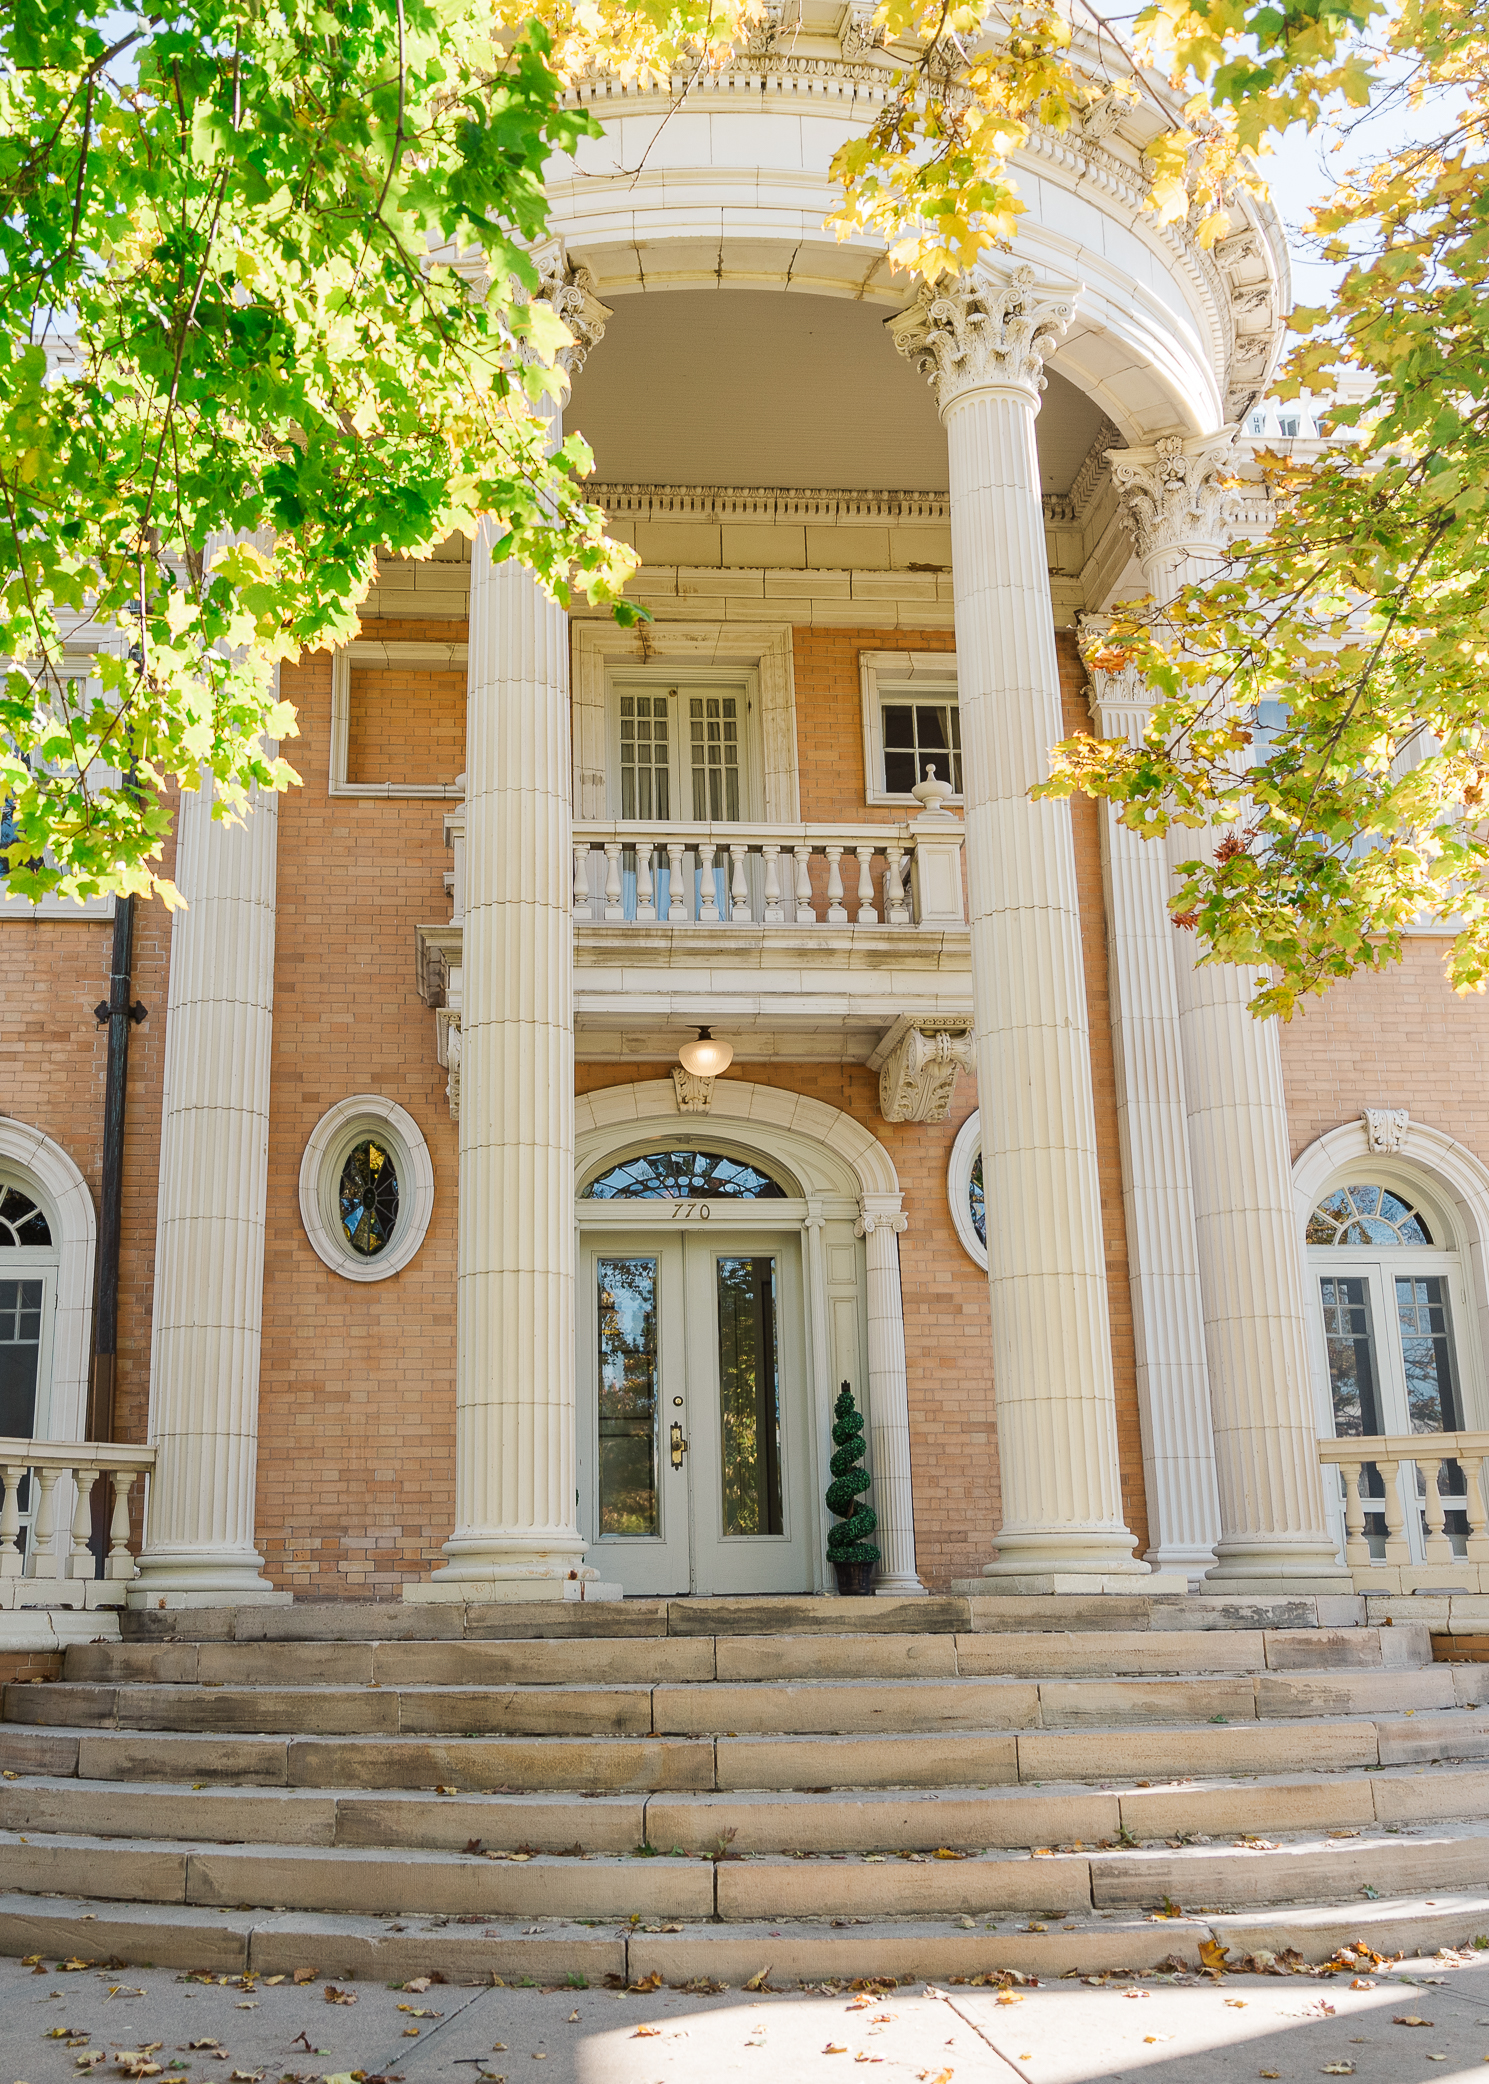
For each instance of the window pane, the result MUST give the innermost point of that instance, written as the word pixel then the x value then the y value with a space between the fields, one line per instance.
pixel 749 1397
pixel 1427 1348
pixel 931 729
pixel 629 1400
pixel 369 1198
pixel 899 725
pixel 1350 1338
pixel 713 737
pixel 976 1197
pixel 899 773
pixel 20 1354
pixel 684 1175
pixel 645 723
pixel 21 1221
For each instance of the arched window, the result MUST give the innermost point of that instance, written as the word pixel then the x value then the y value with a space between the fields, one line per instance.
pixel 1393 1310
pixel 964 1190
pixel 28 1299
pixel 684 1175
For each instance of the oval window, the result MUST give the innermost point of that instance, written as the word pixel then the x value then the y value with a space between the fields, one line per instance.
pixel 369 1197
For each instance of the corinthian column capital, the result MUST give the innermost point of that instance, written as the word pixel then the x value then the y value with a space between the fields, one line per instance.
pixel 985 332
pixel 570 289
pixel 1178 500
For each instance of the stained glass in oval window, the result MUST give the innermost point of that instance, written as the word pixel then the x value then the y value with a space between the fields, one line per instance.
pixel 369 1197
pixel 976 1201
pixel 1367 1215
pixel 685 1176
pixel 21 1221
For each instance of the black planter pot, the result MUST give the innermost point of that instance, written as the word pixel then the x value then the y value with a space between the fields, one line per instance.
pixel 855 1580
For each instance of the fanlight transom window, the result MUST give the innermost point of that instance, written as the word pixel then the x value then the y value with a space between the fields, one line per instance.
pixel 21 1221
pixel 1367 1215
pixel 684 1175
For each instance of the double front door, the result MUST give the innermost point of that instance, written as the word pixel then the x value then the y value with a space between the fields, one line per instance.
pixel 692 1447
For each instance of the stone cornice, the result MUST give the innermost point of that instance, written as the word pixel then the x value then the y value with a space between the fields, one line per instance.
pixel 785 506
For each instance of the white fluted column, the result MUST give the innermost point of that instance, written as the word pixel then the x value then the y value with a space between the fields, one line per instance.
pixel 1157 1191
pixel 516 1532
pixel 879 1224
pixel 983 344
pixel 209 1228
pixel 1273 1528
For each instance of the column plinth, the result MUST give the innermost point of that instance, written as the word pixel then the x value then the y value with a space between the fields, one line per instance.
pixel 983 344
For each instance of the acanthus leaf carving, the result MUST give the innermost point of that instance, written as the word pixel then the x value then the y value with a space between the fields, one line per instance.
pixel 918 1078
pixel 981 332
pixel 1179 493
pixel 1386 1128
pixel 694 1093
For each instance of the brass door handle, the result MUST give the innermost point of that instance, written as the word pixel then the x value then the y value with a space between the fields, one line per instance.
pixel 679 1445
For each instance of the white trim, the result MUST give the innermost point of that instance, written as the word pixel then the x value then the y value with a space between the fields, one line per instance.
pixel 935 671
pixel 964 1155
pixel 446 657
pixel 320 1171
pixel 63 1193
pixel 761 649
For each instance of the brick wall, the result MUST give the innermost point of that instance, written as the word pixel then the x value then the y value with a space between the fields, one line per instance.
pixel 1397 1038
pixel 405 724
pixel 829 716
pixel 356 1404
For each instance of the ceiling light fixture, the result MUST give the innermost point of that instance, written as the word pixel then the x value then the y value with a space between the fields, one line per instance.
pixel 706 1058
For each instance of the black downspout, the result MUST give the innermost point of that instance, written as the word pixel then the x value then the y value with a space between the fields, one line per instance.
pixel 115 1013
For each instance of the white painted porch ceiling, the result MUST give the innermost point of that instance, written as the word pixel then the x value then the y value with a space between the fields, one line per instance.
pixel 753 387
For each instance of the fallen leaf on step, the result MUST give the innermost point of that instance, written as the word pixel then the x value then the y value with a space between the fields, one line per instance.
pixel 74 1965
pixel 1008 1997
pixel 944 1852
pixel 1269 2073
pixel 1362 1982
pixel 944 2076
pixel 1338 2069
pixel 420 2011
pixel 647 2033
pixel 306 1975
pixel 271 1980
pixel 834 2048
pixel 447 1790
pixel 1150 2038
pixel 419 1985
pixel 654 1982
pixel 245 2077
pixel 1409 2019
pixel 135 2062
pixel 191 2045
pixel 1212 1954
pixel 756 1981
pixel 334 1996
pixel 248 2004
pixel 89 2059
pixel 410 2033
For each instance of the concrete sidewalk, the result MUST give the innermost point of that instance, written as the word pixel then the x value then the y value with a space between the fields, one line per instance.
pixel 1159 2030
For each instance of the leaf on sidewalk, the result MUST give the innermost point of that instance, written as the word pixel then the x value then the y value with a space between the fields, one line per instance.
pixel 758 1979
pixel 334 1996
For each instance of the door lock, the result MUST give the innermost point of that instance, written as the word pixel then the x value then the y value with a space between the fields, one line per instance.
pixel 679 1445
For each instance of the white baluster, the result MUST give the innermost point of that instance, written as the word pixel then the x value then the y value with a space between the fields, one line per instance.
pixel 739 889
pixel 1356 1545
pixel 677 903
pixel 805 916
pixel 837 913
pixel 581 879
pixel 11 1560
pixel 44 1526
pixel 1397 1549
pixel 120 1562
pixel 1438 1549
pixel 708 894
pixel 774 913
pixel 614 909
pixel 645 908
pixel 1472 1466
pixel 867 916
pixel 80 1562
pixel 896 911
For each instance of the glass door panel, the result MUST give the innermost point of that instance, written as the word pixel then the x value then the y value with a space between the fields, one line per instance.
pixel 749 1398
pixel 627 1462
pixel 1354 1379
pixel 633 1502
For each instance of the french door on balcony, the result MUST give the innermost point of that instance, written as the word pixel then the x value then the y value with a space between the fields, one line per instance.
pixel 693 1419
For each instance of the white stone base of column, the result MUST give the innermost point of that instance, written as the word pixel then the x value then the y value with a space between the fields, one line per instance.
pixel 1194 1562
pixel 189 1578
pixel 1277 1570
pixel 1146 1584
pixel 900 1588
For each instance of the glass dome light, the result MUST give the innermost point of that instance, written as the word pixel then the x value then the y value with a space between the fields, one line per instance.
pixel 706 1058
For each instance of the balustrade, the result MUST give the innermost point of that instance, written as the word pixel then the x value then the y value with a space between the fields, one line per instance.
pixel 56 1555
pixel 1429 1453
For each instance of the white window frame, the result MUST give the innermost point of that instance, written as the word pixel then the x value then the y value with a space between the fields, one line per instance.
pixel 924 675
pixel 964 1155
pixel 446 658
pixel 339 1129
pixel 674 652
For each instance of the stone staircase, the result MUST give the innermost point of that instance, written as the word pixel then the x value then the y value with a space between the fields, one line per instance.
pixel 703 1789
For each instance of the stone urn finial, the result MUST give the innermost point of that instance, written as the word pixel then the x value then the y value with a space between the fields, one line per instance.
pixel 931 795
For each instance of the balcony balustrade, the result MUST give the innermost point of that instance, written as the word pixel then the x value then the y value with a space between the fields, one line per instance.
pixel 48 1564
pixel 1449 1480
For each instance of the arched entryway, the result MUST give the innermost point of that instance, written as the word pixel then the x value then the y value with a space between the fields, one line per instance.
pixel 723 1296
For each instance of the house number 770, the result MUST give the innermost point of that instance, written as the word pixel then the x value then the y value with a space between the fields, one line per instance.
pixel 692 1211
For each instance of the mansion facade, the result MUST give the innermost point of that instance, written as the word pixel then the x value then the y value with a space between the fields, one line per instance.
pixel 450 1265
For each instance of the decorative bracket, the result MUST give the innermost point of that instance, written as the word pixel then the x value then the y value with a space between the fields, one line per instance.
pixel 1385 1128
pixel 694 1094
pixel 918 1077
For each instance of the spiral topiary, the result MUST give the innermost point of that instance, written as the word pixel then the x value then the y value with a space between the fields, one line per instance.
pixel 848 1541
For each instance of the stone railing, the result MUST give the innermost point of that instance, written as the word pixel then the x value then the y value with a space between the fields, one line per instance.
pixel 56 1566
pixel 1443 1565
pixel 748 875
pixel 630 873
